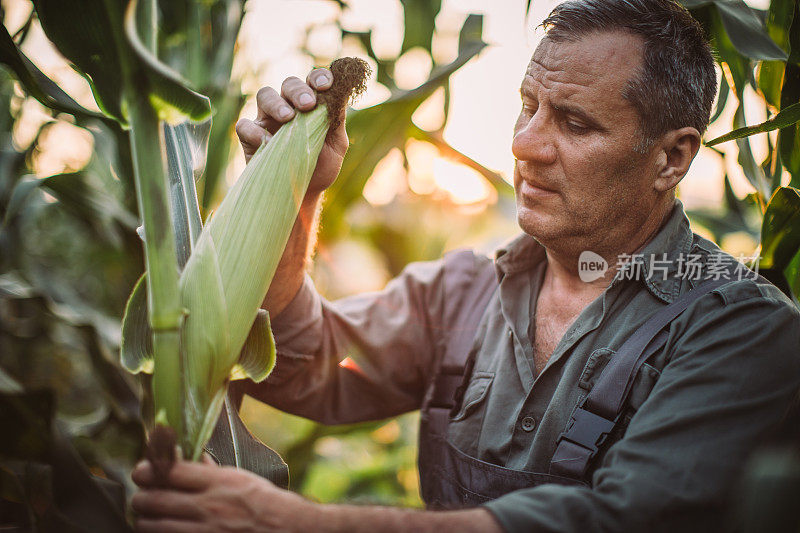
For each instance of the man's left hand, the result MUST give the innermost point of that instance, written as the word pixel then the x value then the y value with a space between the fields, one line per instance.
pixel 203 497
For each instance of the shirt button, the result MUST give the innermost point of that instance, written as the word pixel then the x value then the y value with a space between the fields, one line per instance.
pixel 510 333
pixel 528 423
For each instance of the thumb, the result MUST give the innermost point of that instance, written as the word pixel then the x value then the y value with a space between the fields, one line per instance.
pixel 337 136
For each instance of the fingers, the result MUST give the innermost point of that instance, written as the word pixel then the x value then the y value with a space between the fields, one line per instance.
pixel 165 504
pixel 320 79
pixel 144 525
pixel 275 109
pixel 251 135
pixel 183 475
pixel 272 109
pixel 298 94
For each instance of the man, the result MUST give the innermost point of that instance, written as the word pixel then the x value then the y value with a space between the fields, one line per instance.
pixel 614 102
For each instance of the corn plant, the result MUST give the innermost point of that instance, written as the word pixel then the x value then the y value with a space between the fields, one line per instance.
pixel 203 285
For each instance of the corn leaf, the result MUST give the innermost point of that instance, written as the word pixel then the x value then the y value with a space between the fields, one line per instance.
pixel 227 107
pixel 787 117
pixel 780 233
pixel 170 95
pixel 181 145
pixel 233 444
pixel 94 35
pixel 744 28
pixel 196 440
pixel 420 17
pixel 19 195
pixel 136 347
pixel 747 32
pixel 376 130
pixel 36 83
pixel 257 358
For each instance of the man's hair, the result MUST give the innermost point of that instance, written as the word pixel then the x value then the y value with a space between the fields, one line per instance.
pixel 676 84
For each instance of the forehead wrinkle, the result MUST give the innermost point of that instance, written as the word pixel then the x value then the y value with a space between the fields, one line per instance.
pixel 568 78
pixel 561 89
pixel 565 71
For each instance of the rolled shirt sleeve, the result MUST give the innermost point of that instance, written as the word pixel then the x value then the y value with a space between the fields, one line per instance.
pixel 733 372
pixel 359 358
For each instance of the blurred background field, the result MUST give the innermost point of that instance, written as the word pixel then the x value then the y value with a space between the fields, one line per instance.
pixel 429 170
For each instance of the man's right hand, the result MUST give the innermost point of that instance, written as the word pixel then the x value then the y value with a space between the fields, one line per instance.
pixel 276 109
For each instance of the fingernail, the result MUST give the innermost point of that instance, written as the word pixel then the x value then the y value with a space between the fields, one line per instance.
pixel 140 464
pixel 305 99
pixel 284 112
pixel 323 79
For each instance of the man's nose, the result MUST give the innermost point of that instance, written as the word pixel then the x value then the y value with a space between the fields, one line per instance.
pixel 534 139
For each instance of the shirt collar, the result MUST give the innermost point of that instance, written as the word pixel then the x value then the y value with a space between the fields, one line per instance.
pixel 660 258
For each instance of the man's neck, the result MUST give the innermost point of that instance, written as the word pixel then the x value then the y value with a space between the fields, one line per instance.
pixel 562 274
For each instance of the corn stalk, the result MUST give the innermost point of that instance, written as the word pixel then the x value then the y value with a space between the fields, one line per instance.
pixel 140 95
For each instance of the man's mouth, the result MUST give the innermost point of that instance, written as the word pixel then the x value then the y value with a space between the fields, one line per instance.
pixel 531 188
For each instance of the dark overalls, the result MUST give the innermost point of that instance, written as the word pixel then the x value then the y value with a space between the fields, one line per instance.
pixel 451 479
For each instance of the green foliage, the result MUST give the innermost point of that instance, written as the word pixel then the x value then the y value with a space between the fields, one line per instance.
pixel 198 39
pixel 784 119
pixel 762 52
pixel 376 130
pixel 102 44
pixel 60 305
pixel 37 84
pixel 780 232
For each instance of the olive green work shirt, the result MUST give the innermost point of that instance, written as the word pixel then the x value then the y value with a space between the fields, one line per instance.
pixel 698 407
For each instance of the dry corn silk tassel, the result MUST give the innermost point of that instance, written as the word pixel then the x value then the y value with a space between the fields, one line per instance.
pixel 225 335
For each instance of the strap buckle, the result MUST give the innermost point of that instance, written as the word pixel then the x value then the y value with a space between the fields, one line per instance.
pixel 587 429
pixel 580 442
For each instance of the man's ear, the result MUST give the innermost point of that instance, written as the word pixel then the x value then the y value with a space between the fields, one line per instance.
pixel 677 149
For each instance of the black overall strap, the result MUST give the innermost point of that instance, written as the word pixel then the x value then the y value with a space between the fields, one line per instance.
pixel 597 415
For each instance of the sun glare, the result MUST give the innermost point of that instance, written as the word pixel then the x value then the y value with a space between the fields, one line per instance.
pixel 463 185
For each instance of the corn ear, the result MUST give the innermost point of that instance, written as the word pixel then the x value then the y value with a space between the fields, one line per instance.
pixel 252 225
pixel 237 253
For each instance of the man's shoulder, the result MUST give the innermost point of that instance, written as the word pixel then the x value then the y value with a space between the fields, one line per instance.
pixel 745 324
pixel 745 282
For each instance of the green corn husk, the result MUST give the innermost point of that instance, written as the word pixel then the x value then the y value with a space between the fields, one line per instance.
pixel 224 334
pixel 231 267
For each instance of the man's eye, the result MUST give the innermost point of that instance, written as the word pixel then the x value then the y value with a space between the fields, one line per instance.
pixel 577 128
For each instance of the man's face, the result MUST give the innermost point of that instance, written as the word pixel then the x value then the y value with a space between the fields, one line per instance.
pixel 579 184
